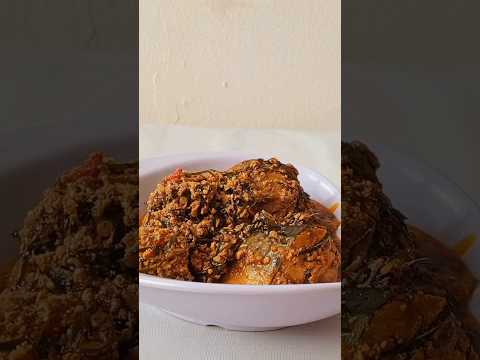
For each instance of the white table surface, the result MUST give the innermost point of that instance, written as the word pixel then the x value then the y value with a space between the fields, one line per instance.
pixel 165 337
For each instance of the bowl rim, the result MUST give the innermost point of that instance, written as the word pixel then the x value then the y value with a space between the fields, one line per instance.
pixel 157 282
pixel 147 167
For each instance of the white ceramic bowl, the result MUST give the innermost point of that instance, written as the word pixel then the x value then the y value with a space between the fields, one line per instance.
pixel 237 307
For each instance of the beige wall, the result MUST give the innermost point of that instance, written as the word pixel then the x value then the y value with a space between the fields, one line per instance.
pixel 243 63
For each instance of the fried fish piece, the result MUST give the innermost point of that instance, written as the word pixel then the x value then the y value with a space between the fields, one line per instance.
pixel 290 254
pixel 276 258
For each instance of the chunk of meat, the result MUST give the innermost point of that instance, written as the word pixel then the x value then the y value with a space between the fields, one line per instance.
pixel 276 187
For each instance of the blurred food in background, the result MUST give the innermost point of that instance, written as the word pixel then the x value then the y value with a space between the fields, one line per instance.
pixel 405 295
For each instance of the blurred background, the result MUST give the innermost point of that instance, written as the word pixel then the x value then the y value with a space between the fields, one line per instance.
pixel 410 73
pixel 69 87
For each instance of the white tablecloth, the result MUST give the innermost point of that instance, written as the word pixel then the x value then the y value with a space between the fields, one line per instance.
pixel 165 337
